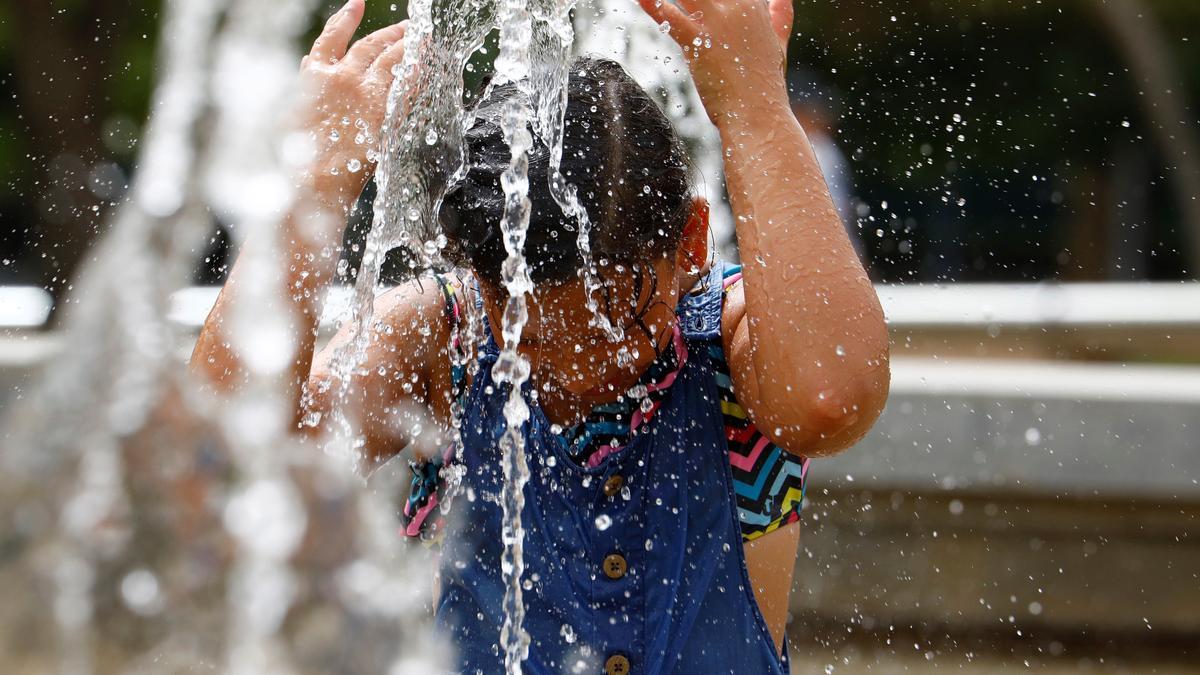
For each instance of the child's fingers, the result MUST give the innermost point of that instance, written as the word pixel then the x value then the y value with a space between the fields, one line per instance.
pixel 331 44
pixel 682 28
pixel 365 51
pixel 392 55
pixel 782 16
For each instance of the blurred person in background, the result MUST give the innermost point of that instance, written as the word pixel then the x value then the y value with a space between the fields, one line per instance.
pixel 814 105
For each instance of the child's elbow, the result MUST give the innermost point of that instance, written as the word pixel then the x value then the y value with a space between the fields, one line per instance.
pixel 836 417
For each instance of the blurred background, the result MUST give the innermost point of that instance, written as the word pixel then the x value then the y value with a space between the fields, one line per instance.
pixel 1022 180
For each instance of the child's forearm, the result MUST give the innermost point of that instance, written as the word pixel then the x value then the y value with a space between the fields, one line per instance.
pixel 818 343
pixel 303 264
pixel 338 82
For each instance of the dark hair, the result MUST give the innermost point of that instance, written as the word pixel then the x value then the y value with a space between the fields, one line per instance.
pixel 621 153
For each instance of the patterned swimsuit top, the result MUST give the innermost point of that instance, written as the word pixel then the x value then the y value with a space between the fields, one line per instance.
pixel 768 481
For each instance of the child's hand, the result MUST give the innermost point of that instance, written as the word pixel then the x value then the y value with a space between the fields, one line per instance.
pixel 736 49
pixel 344 93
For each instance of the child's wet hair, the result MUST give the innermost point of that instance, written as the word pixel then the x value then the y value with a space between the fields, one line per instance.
pixel 622 154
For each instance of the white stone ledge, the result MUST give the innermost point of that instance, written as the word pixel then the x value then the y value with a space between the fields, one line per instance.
pixel 1046 380
pixel 906 306
pixel 1042 304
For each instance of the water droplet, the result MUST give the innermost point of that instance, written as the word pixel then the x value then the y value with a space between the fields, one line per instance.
pixel 431 137
pixel 624 357
pixel 140 591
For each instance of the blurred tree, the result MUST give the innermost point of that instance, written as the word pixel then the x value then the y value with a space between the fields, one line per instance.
pixel 983 136
pixel 75 83
pixel 988 139
pixel 79 77
pixel 1143 46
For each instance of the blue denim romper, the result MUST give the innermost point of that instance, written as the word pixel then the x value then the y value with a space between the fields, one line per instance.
pixel 636 564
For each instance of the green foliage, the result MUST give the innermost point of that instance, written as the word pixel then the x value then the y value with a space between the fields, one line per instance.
pixel 1003 104
pixel 1039 89
pixel 6 31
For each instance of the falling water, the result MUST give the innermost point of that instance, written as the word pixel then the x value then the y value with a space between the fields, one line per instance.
pixel 512 65
pixel 423 155
pixel 173 529
pixel 550 86
pixel 62 462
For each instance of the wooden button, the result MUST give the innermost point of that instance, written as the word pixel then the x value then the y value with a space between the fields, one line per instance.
pixel 613 485
pixel 615 566
pixel 616 664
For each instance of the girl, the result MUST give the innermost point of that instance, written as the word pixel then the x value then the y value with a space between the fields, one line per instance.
pixel 663 482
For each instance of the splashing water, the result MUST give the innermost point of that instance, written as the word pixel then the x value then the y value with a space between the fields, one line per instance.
pixel 421 156
pixel 536 40
pixel 237 567
pixel 551 84
pixel 619 30
pixel 62 461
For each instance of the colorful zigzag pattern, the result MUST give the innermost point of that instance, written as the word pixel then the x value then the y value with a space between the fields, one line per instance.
pixel 768 482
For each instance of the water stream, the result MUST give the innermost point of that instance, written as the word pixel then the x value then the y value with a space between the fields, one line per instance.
pixel 423 156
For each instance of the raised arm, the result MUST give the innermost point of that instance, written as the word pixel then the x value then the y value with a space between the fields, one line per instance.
pixel 804 332
pixel 340 85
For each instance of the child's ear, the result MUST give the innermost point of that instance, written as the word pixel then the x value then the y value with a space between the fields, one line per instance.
pixel 692 256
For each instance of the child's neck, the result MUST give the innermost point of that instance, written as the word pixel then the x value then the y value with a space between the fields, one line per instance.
pixel 566 409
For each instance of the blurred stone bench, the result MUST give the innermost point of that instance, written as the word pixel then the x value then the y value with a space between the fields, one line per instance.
pixel 1053 497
